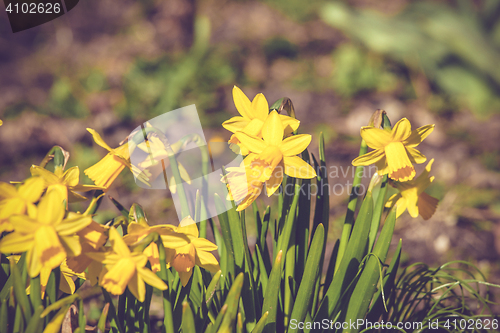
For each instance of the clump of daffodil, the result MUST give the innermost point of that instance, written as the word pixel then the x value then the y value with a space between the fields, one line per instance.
pixel 412 197
pixel 123 268
pixel 253 115
pixel 67 181
pixel 157 160
pixel 104 172
pixel 18 201
pixel 272 155
pixel 183 254
pixel 394 149
pixel 45 234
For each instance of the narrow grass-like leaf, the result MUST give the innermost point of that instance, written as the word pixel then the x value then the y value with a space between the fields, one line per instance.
pixel 36 320
pixel 226 235
pixel 367 283
pixel 232 302
pixel 20 292
pixel 309 278
pixel 380 298
pixel 261 323
pixel 101 324
pixel 188 324
pixel 272 293
pixel 356 249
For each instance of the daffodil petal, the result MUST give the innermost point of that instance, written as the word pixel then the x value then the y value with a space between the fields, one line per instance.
pixel 118 244
pixel 72 176
pixel 411 205
pixel 32 189
pixel 51 209
pixel 207 261
pixel 415 156
pixel 298 168
pixel 16 243
pixel 242 103
pixel 369 158
pixel 272 131
pixel 73 225
pixel 97 138
pixel 260 107
pixel 48 177
pixel 252 143
pixel 204 244
pixel 71 245
pixel 289 124
pixel 418 135
pixel 235 124
pixel 274 182
pixel 185 276
pixel 401 131
pixel 427 205
pixel 49 250
pixel 375 138
pixel 295 144
pixel 118 276
pixel 9 191
pixel 24 224
pixel 152 279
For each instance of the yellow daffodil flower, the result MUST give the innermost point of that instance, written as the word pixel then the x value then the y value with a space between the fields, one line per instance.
pixel 411 196
pixel 183 255
pixel 92 238
pixel 394 150
pixel 137 232
pixel 158 160
pixel 45 234
pixel 1 122
pixel 253 115
pixel 272 156
pixel 68 181
pixel 243 184
pixel 18 201
pixel 124 268
pixel 104 172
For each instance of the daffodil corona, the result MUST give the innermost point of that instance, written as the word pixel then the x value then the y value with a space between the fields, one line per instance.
pixel 394 149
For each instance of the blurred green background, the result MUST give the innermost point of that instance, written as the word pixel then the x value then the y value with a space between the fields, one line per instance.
pixel 111 66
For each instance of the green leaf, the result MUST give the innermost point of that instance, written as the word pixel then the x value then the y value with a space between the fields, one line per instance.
pixel 309 278
pixel 367 283
pixel 261 323
pixel 232 301
pixel 188 324
pixel 20 291
pixel 356 249
pixel 271 295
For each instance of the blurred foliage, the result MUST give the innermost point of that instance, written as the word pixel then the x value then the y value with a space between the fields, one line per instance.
pixel 456 47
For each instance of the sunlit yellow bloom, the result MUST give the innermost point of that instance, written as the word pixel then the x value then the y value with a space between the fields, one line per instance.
pixel 137 232
pixel 67 284
pixel 104 172
pixel 92 238
pixel 243 183
pixel 67 181
pixel 272 156
pixel 183 254
pixel 45 234
pixel 1 122
pixel 157 161
pixel 394 150
pixel 18 201
pixel 123 268
pixel 411 196
pixel 253 115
